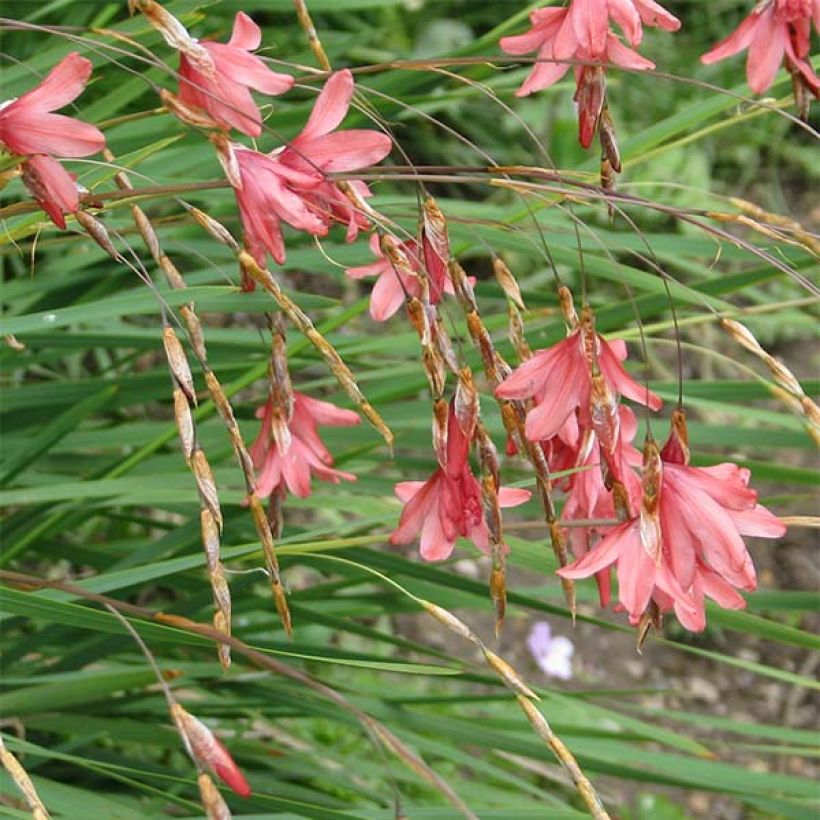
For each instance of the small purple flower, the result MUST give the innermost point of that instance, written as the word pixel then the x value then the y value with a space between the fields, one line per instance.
pixel 553 655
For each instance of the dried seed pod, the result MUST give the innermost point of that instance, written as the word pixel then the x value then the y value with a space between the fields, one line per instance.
pixel 508 282
pixel 98 232
pixel 567 306
pixel 205 483
pixel 227 159
pixel 508 674
pixel 23 782
pixel 185 423
pixel 609 143
pixel 466 403
pixel 263 529
pixel 212 801
pixel 435 247
pixel 215 228
pixel 440 413
pixel 178 362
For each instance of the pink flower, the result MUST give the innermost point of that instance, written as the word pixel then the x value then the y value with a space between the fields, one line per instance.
pixel 28 128
pixel 590 498
pixel 686 542
pixel 271 193
pixel 301 453
pixel 581 33
pixel 560 380
pixel 291 183
pixel 225 94
pixel 774 29
pixel 395 282
pixel 448 504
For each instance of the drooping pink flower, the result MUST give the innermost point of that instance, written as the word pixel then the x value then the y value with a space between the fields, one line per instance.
pixel 299 453
pixel 225 93
pixel 395 281
pixel 686 543
pixel 28 128
pixel 589 497
pixel 775 29
pixel 271 193
pixel 448 504
pixel 208 750
pixel 291 183
pixel 559 379
pixel 580 32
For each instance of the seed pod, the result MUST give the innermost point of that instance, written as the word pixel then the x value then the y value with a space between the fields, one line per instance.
pixel 98 232
pixel 509 675
pixel 205 483
pixel 609 144
pixel 466 403
pixel 178 362
pixel 212 801
pixel 185 422
pixel 215 228
pixel 509 284
pixel 227 159
pixel 435 246
pixel 567 306
pixel 23 782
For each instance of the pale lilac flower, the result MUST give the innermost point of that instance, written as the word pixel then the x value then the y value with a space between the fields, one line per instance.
pixel 552 654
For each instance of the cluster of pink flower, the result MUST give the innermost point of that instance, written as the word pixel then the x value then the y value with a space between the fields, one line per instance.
pixel 680 536
pixel 669 555
pixel 580 34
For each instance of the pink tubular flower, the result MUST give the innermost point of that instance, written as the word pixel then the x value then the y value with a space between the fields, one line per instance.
pixel 448 504
pixel 299 452
pixel 775 29
pixel 291 183
pixel 686 542
pixel 225 94
pixel 28 128
pixel 559 378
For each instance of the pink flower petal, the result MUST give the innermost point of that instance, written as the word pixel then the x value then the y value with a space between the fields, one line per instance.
pixel 62 85
pixel 331 105
pixel 344 150
pixel 246 34
pixel 737 41
pixel 512 496
pixel 765 52
pixel 386 297
pixel 606 553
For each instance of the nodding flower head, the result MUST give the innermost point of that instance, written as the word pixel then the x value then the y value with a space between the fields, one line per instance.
pixel 224 91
